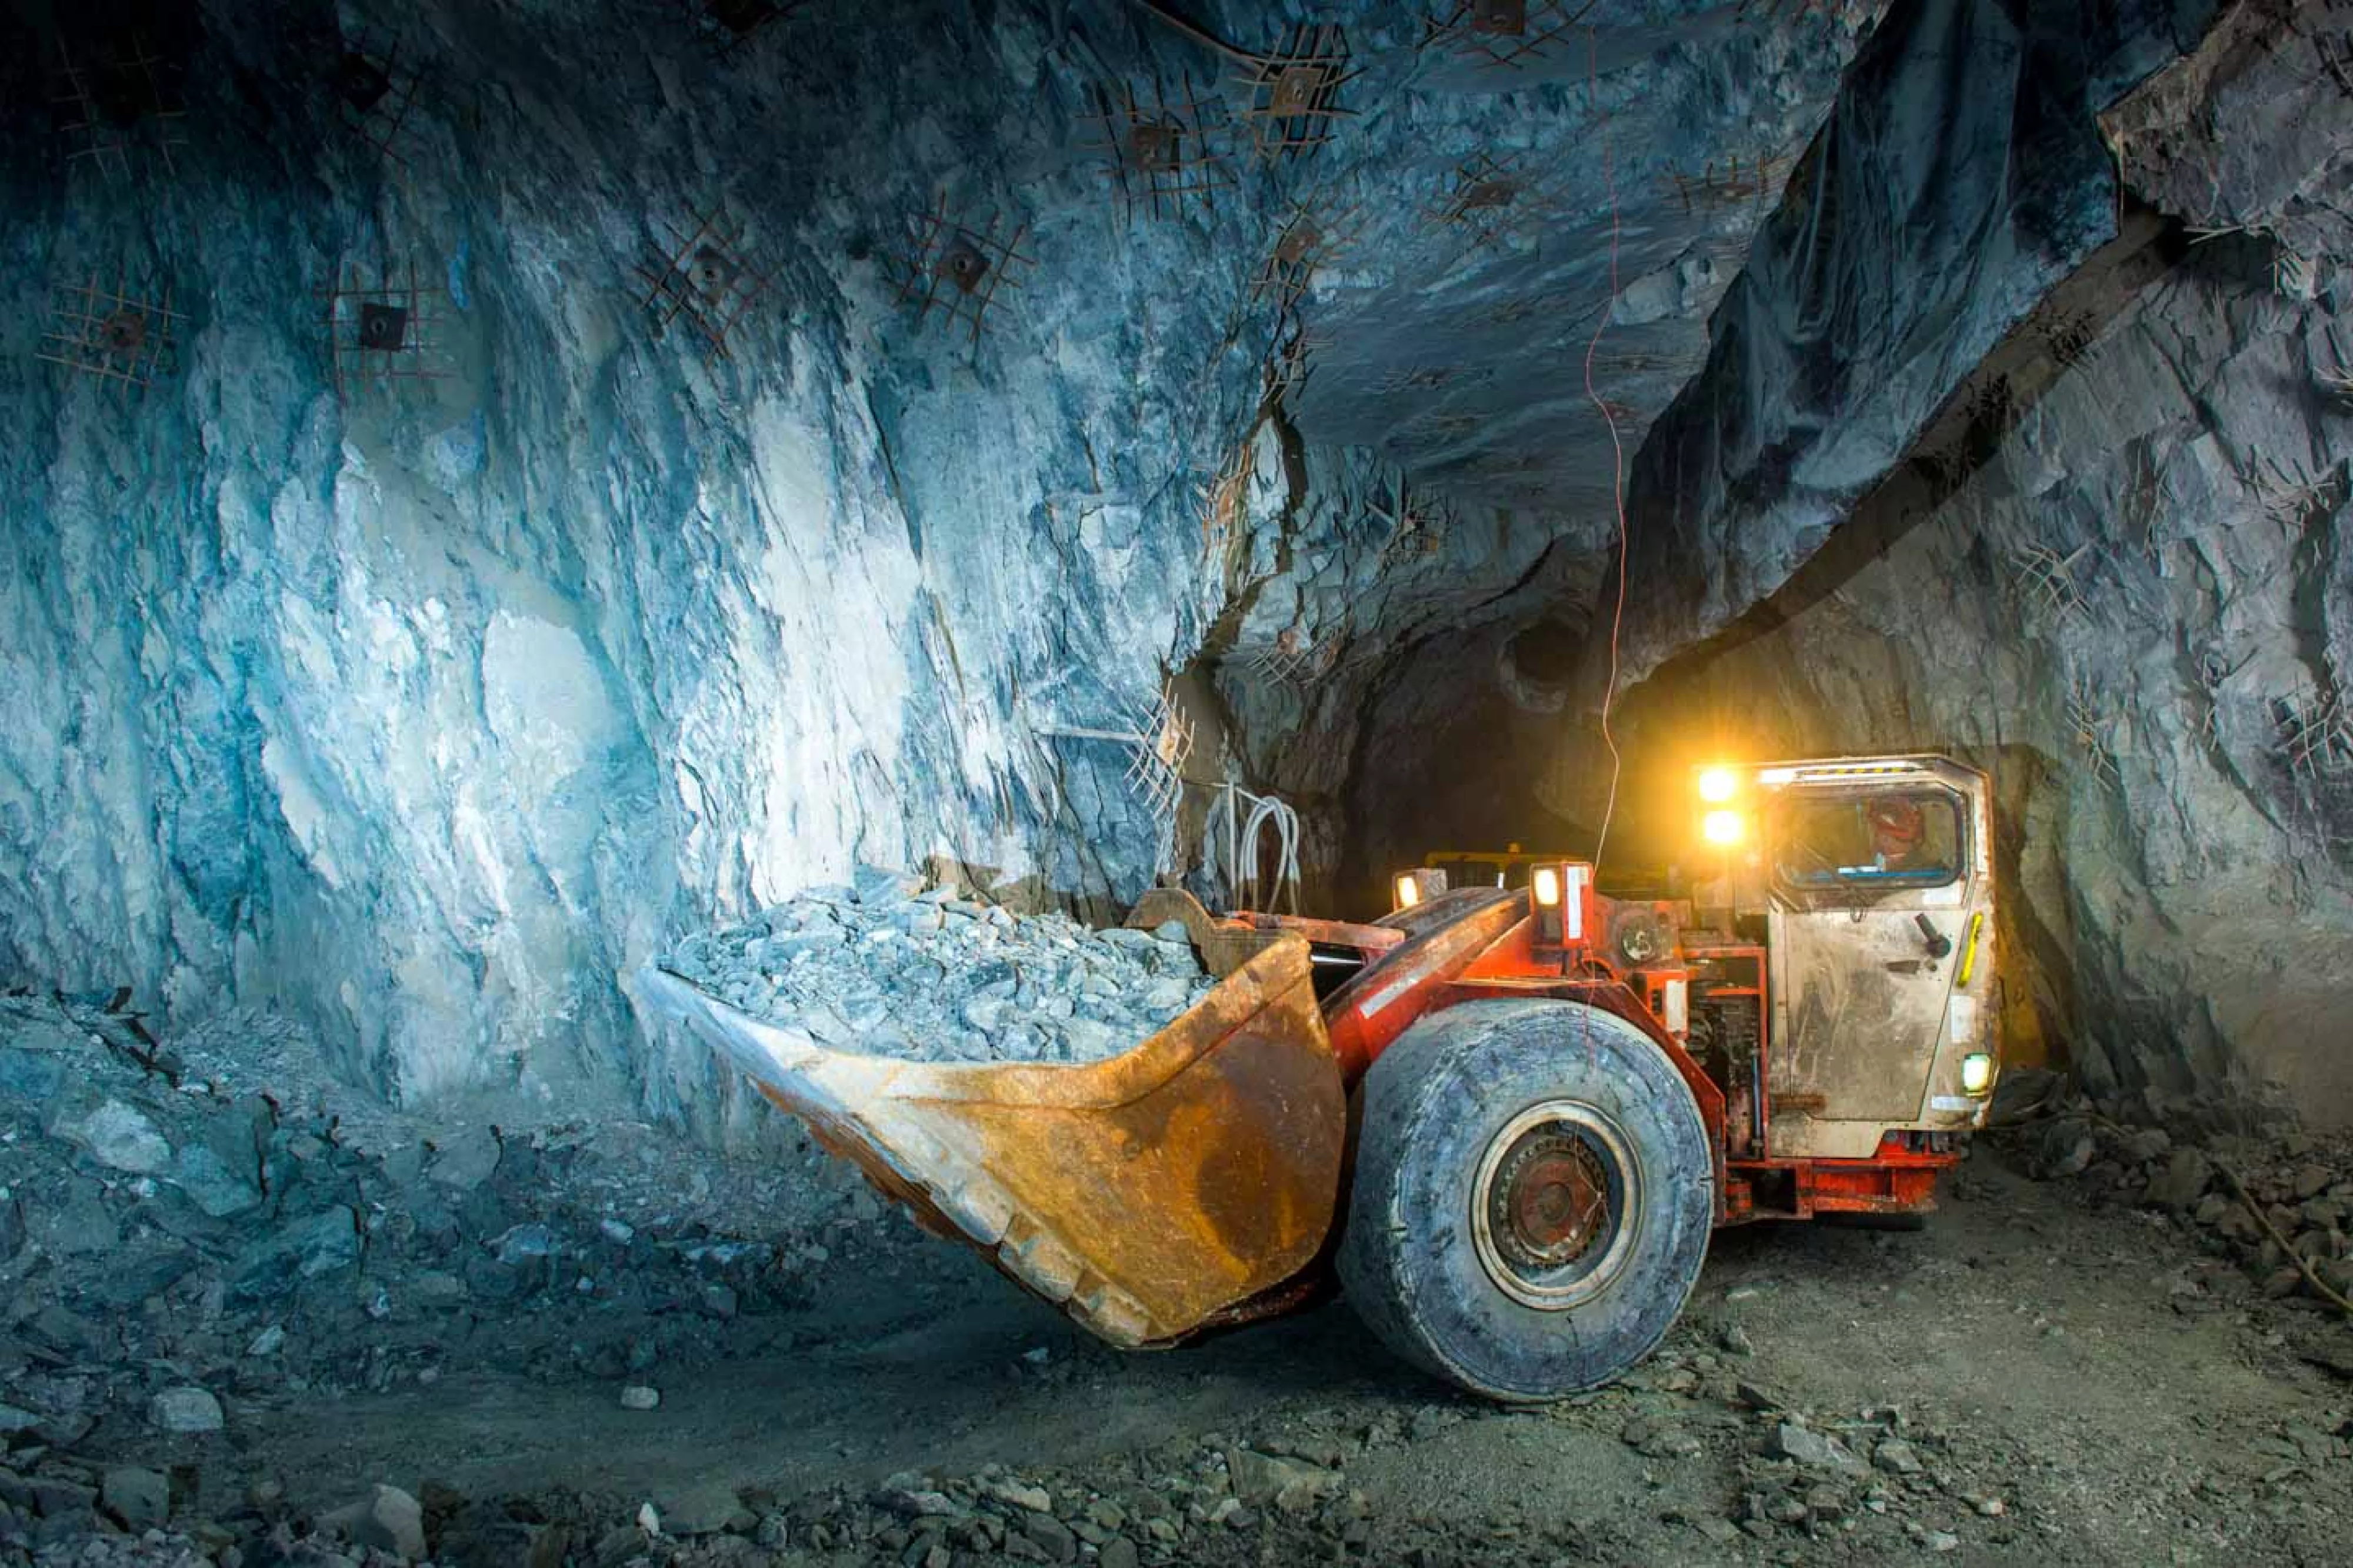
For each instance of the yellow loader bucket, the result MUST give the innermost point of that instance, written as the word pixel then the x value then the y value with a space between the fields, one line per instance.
pixel 1147 1194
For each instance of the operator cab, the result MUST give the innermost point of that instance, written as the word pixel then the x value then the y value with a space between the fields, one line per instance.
pixel 1828 969
pixel 1875 881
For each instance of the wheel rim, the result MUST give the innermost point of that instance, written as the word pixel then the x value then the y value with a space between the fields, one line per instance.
pixel 1556 1207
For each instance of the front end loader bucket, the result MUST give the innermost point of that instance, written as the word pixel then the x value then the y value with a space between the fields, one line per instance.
pixel 1147 1193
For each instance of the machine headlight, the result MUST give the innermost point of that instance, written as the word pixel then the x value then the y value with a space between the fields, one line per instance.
pixel 1718 785
pixel 1420 885
pixel 1976 1073
pixel 1546 882
pixel 1722 827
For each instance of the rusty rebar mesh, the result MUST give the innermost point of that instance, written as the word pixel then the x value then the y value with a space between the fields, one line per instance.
pixel 1291 363
pixel 2312 734
pixel 2045 580
pixel 1507 34
pixel 1419 378
pixel 110 333
pixel 2145 494
pixel 1489 196
pixel 1415 526
pixel 1294 91
pixel 1752 177
pixel 1223 499
pixel 2292 494
pixel 125 108
pixel 703 279
pixel 1161 153
pixel 724 26
pixel 375 88
pixel 2071 335
pixel 388 331
pixel 955 267
pixel 2088 727
pixel 1158 740
pixel 1315 234
pixel 1288 658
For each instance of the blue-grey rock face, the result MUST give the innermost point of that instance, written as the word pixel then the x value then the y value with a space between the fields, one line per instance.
pixel 2135 614
pixel 1964 174
pixel 427 685
pixel 429 705
pixel 2134 617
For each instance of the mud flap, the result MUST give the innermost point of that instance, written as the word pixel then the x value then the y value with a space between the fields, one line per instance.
pixel 1144 1193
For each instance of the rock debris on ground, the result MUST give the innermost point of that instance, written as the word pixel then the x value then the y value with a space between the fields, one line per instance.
pixel 234 1339
pixel 889 967
pixel 2281 1204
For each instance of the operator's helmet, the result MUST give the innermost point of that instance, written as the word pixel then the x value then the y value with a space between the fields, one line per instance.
pixel 1896 825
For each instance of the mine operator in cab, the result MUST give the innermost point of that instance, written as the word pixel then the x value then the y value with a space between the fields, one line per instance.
pixel 1897 831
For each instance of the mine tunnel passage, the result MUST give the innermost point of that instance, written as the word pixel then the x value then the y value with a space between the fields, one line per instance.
pixel 605 609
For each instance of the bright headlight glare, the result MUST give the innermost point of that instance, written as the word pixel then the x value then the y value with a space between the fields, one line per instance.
pixel 1409 891
pixel 1547 886
pixel 1718 785
pixel 1976 1073
pixel 1721 828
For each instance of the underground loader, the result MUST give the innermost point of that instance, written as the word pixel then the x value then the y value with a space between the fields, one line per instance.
pixel 1504 1121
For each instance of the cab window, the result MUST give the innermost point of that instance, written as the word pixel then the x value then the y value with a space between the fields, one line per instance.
pixel 1896 838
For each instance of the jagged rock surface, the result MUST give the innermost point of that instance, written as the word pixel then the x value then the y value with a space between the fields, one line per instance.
pixel 1964 176
pixel 2135 614
pixel 427 709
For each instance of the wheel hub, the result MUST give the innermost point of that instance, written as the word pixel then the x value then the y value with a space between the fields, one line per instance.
pixel 1550 1199
pixel 1556 1205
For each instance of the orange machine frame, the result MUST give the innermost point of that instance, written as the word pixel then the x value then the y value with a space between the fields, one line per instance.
pixel 1482 943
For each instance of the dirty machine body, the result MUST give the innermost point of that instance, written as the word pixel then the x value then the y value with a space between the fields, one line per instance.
pixel 1504 1121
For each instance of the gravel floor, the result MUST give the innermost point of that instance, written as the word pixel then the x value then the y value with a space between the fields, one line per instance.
pixel 595 1346
pixel 2032 1379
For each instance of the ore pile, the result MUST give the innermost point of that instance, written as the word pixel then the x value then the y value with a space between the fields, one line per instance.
pixel 2282 1202
pixel 888 968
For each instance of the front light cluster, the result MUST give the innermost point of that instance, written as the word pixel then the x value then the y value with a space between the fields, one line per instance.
pixel 1722 824
pixel 1558 891
pixel 1417 886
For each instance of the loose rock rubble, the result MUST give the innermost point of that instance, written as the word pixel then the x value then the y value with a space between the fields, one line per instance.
pixel 194 1276
pixel 889 967
pixel 2302 1185
pixel 178 1258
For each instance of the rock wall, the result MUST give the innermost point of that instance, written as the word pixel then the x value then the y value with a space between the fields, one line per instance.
pixel 2135 615
pixel 1964 175
pixel 426 706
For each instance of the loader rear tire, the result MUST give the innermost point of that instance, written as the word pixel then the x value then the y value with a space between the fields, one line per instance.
pixel 1533 1198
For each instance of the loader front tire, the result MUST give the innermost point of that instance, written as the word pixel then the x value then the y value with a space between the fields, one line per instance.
pixel 1532 1197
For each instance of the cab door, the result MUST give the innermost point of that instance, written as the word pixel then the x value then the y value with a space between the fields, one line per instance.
pixel 1873 884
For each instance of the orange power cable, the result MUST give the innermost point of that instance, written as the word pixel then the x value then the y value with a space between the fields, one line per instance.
pixel 1617 449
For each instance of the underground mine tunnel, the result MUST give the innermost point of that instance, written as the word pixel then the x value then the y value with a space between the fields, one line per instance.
pixel 1093 782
